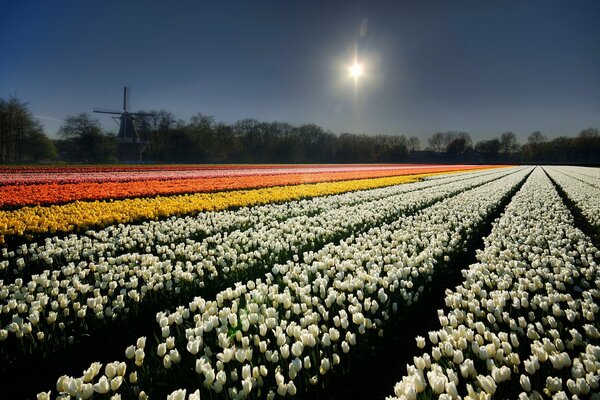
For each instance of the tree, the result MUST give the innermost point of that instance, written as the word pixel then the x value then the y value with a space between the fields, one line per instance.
pixel 202 121
pixel 451 136
pixel 87 141
pixel 536 138
pixel 21 136
pixel 414 144
pixel 558 150
pixel 533 149
pixel 227 144
pixel 244 126
pixel 508 144
pixel 489 149
pixel 437 142
pixel 589 133
pixel 201 138
pixel 79 126
pixel 38 147
pixel 440 141
pixel 155 129
pixel 457 146
pixel 587 145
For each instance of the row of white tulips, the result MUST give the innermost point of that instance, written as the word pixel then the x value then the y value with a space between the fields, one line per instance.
pixel 588 175
pixel 593 172
pixel 274 336
pixel 585 174
pixel 585 196
pixel 525 321
pixel 41 306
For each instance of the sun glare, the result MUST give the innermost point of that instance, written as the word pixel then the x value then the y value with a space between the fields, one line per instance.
pixel 356 70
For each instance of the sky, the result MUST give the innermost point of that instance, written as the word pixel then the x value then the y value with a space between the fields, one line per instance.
pixel 484 67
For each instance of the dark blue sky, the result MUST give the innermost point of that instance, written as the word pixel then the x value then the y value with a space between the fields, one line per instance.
pixel 480 66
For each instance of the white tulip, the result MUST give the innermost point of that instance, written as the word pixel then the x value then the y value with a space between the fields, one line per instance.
pixel 103 385
pixel 177 395
pixel 297 349
pixel 525 383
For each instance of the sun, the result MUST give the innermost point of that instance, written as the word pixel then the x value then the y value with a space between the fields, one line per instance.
pixel 356 70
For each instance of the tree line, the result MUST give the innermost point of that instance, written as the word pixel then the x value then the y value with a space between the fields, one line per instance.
pixel 22 138
pixel 203 140
pixel 584 148
pixel 252 141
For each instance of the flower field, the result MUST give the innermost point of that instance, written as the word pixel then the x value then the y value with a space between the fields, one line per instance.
pixel 258 282
pixel 27 189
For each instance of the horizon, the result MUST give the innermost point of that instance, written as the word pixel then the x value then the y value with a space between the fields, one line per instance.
pixel 436 67
pixel 113 128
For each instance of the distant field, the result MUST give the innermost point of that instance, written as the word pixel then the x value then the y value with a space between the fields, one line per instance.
pixel 300 281
pixel 148 192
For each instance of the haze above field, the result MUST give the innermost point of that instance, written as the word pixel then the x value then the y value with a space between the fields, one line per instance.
pixel 480 67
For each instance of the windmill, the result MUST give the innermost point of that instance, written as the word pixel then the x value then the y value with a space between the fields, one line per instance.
pixel 130 144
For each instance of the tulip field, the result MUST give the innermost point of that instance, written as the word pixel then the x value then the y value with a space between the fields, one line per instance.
pixel 273 282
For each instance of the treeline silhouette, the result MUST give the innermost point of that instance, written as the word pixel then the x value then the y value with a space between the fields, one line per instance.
pixel 21 136
pixel 584 148
pixel 202 140
pixel 251 141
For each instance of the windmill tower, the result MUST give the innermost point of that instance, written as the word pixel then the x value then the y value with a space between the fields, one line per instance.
pixel 128 139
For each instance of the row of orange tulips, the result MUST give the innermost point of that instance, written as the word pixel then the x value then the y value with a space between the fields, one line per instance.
pixel 99 174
